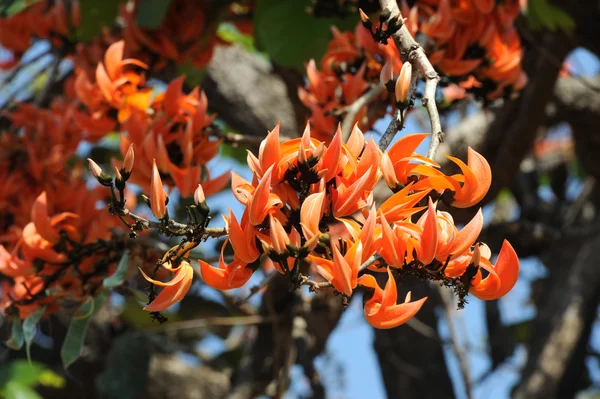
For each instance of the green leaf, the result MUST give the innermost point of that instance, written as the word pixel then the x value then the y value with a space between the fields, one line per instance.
pixel 12 7
pixel 151 13
pixel 119 275
pixel 16 390
pixel 229 33
pixel 543 15
pixel 23 374
pixel 289 35
pixel 77 331
pixel 30 328
pixel 16 338
pixel 20 371
pixel 94 15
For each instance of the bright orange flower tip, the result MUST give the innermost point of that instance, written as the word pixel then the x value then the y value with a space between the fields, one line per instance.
pixel 477 180
pixel 174 290
pixel 381 311
pixel 506 270
pixel 158 196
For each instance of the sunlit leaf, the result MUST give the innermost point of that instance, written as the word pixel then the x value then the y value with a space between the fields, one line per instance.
pixel 229 33
pixel 12 7
pixel 16 390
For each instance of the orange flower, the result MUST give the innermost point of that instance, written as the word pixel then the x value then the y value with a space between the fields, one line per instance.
pixel 342 272
pixel 225 277
pixel 242 238
pixel 174 290
pixel 381 310
pixel 476 181
pixel 263 201
pixel 501 278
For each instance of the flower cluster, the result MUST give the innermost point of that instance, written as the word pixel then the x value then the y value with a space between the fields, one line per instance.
pixel 171 127
pixel 472 42
pixel 309 209
pixel 55 247
pixel 187 33
pixel 173 40
pixel 45 19
pixel 353 63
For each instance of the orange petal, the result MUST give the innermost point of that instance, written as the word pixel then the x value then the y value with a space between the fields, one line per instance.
pixel 507 270
pixel 39 216
pixel 175 292
pixel 311 214
pixel 158 196
pixel 429 238
pixel 467 236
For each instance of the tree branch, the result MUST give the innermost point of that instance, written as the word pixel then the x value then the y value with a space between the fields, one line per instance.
pixel 414 53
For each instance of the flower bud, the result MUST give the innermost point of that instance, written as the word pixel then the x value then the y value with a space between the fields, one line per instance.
pixel 366 22
pixel 158 196
pixel 119 181
pixel 403 82
pixel 199 197
pixel 200 201
pixel 387 73
pixel 128 160
pixel 279 238
pixel 98 173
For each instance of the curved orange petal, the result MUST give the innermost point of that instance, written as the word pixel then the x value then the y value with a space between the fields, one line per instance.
pixel 175 292
pixel 507 271
pixel 467 236
pixel 311 213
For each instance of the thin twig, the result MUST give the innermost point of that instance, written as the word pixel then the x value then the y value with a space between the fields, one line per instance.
pixel 394 127
pixel 373 259
pixel 580 201
pixel 314 285
pixel 462 361
pixel 353 109
pixel 215 321
pixel 414 53
pixel 173 227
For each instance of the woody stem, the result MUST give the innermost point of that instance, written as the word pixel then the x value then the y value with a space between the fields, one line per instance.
pixel 414 53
